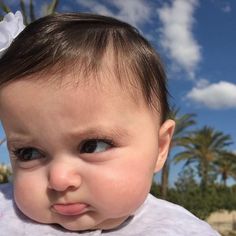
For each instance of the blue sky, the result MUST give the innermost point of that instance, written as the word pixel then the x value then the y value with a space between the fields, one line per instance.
pixel 195 38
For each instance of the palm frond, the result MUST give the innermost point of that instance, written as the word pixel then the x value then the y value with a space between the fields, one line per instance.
pixel 31 10
pixel 23 10
pixel 4 7
pixel 52 7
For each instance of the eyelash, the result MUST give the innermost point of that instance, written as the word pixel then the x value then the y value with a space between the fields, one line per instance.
pixel 105 140
pixel 17 151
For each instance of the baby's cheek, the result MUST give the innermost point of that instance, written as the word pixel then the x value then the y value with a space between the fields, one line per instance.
pixel 122 194
pixel 30 198
pixel 22 199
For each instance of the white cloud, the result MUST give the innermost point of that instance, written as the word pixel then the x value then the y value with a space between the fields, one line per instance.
pixel 176 34
pixel 226 8
pixel 216 96
pixel 135 12
pixel 202 83
pixel 95 7
pixel 223 5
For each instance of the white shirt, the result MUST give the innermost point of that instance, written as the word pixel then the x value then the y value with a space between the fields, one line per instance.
pixel 154 218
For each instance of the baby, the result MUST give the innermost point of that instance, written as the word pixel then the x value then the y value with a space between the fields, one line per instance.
pixel 83 102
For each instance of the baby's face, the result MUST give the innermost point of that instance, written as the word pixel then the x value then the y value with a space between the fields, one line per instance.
pixel 83 157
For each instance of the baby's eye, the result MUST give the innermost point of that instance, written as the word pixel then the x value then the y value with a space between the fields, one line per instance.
pixel 27 154
pixel 95 145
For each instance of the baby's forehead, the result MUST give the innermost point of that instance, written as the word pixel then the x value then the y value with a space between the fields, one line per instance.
pixel 70 83
pixel 106 78
pixel 57 80
pixel 72 94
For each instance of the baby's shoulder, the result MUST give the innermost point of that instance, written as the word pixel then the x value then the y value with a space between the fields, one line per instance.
pixel 6 189
pixel 8 218
pixel 6 196
pixel 168 219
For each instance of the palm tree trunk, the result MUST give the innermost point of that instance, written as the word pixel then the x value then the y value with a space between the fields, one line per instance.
pixel 165 179
pixel 224 177
pixel 204 181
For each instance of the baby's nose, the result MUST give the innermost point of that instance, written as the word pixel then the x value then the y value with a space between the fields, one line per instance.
pixel 63 176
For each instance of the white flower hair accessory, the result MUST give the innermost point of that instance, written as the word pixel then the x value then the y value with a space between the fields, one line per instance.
pixel 10 27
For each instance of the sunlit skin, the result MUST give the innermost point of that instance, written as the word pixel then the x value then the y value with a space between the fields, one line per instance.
pixel 50 127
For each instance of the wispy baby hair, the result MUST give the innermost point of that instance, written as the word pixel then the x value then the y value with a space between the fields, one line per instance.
pixel 82 40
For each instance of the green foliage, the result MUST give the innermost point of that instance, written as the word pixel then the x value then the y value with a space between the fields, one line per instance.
pixel 5 173
pixel 51 7
pixel 225 166
pixel 189 194
pixel 203 147
pixel 28 10
pixel 155 189
pixel 4 7
pixel 183 122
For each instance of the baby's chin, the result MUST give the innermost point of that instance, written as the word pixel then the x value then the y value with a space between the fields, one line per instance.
pixel 107 224
pixel 71 227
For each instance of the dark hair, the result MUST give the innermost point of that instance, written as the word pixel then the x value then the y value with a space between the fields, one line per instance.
pixel 82 40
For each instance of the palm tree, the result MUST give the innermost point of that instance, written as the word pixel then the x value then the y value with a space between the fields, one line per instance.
pixel 226 166
pixel 204 147
pixel 49 9
pixel 183 122
pixel 5 173
pixel 2 141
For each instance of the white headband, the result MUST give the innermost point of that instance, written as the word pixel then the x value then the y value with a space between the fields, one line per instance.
pixel 10 27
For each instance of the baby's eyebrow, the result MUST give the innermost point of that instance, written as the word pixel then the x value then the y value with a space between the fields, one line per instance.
pixel 17 140
pixel 117 132
pixel 77 133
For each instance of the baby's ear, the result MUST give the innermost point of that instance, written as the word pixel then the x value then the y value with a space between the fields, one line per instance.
pixel 165 136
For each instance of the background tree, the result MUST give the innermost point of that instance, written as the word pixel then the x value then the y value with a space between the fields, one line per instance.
pixel 203 147
pixel 188 193
pixel 183 122
pixel 5 173
pixel 225 166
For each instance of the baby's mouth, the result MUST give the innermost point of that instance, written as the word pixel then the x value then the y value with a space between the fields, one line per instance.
pixel 70 209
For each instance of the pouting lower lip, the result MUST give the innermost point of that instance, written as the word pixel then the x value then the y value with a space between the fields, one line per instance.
pixel 70 209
